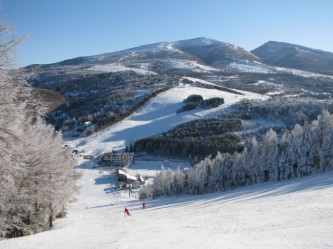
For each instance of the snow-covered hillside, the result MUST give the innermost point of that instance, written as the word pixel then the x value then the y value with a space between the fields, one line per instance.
pixel 159 115
pixel 289 214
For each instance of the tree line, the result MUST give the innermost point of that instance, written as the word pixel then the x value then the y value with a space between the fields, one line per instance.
pixel 304 150
pixel 195 139
pixel 195 100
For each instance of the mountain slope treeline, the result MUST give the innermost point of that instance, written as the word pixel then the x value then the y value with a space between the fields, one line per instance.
pixel 100 99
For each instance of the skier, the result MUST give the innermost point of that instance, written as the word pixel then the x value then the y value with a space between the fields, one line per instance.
pixel 126 211
pixel 143 205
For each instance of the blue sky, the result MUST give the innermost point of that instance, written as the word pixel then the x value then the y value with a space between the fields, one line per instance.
pixel 64 29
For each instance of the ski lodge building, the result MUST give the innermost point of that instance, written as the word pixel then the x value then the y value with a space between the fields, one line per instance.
pixel 118 159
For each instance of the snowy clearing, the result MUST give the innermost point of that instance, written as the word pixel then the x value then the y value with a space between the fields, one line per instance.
pixel 116 67
pixel 190 65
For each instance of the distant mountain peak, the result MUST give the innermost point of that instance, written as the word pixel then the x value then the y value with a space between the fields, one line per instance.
pixel 284 54
pixel 281 45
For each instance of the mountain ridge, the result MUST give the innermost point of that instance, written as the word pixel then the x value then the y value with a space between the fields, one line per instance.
pixel 290 55
pixel 207 52
pixel 199 49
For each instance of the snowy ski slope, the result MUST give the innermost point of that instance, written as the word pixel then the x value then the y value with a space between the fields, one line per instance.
pixel 290 214
pixel 159 115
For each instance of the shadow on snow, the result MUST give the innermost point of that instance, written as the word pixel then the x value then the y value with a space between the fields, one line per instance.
pixel 258 191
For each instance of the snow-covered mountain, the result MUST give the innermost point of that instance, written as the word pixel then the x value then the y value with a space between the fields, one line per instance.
pixel 202 54
pixel 295 56
pixel 213 52
pixel 199 55
pixel 99 88
pixel 137 91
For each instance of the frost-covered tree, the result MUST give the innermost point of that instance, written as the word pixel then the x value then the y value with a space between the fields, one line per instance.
pixel 179 179
pixel 251 158
pixel 267 155
pixel 302 151
pixel 290 156
pixel 12 116
pixel 321 129
pixel 49 177
pixel 36 174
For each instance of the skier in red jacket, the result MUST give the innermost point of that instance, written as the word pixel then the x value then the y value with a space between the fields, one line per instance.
pixel 143 205
pixel 126 211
